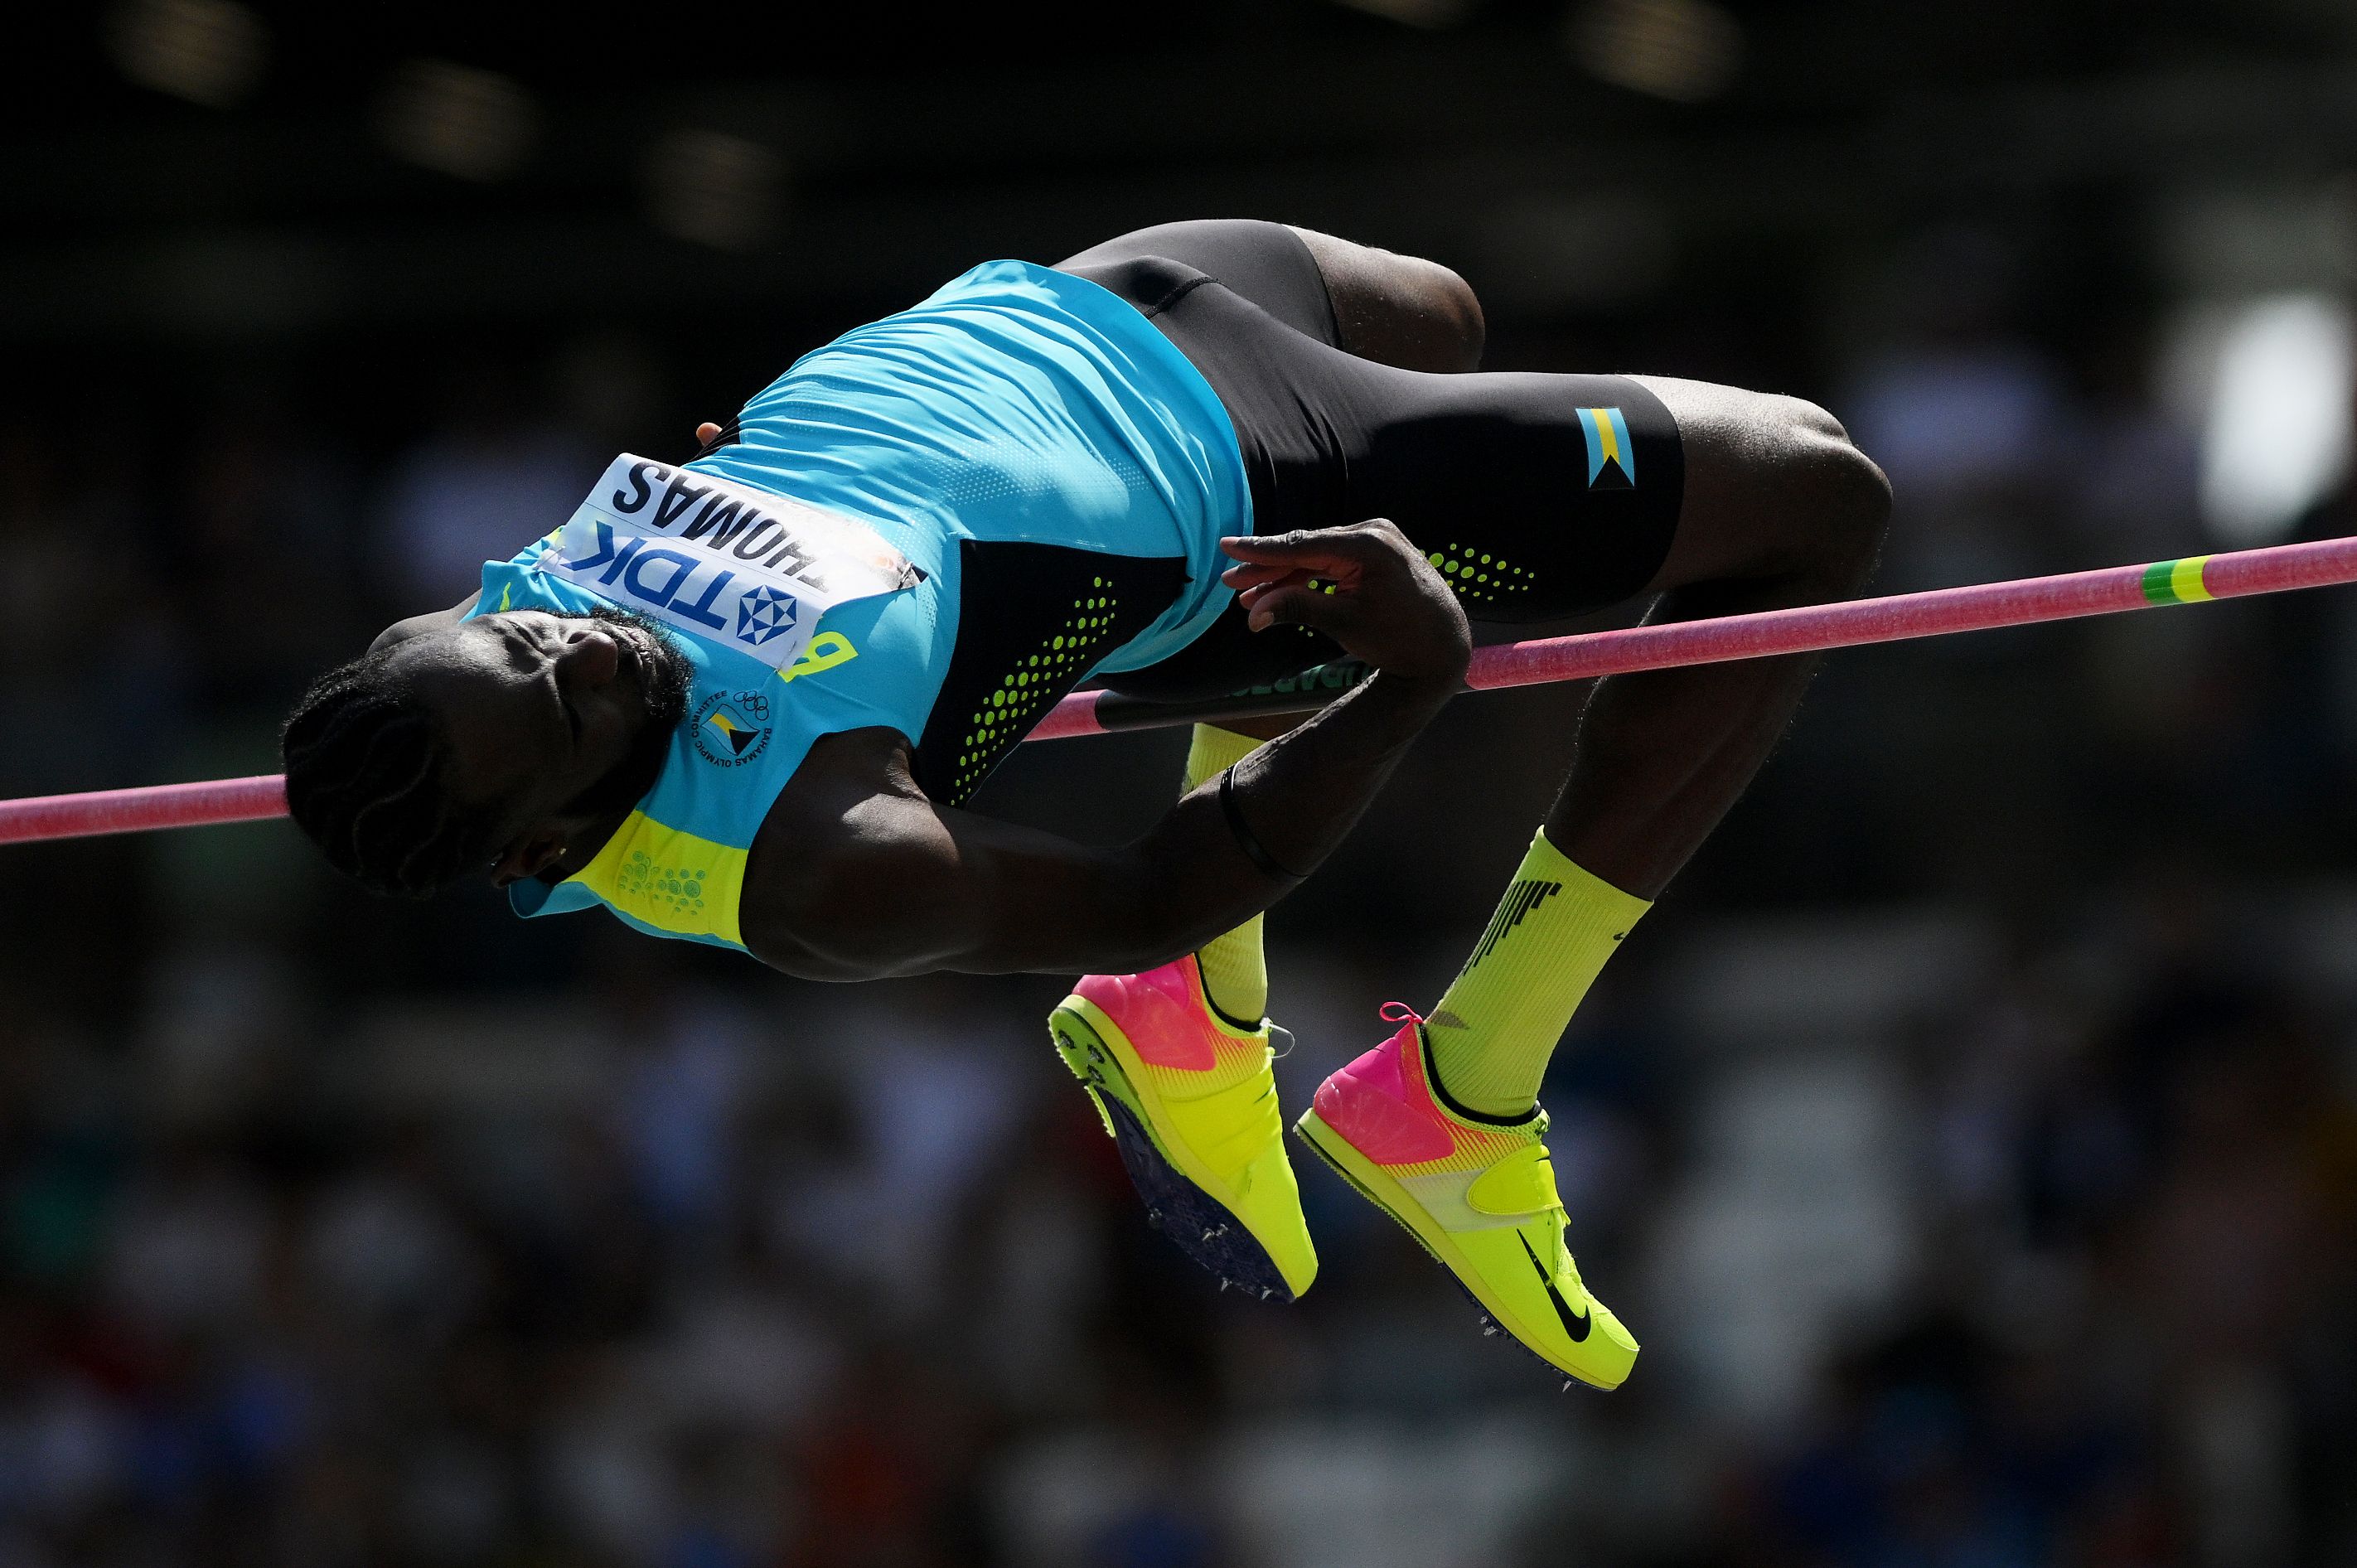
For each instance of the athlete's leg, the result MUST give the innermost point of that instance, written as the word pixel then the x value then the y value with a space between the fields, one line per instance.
pixel 1376 307
pixel 1439 1125
pixel 1178 1058
pixel 1777 510
pixel 1267 264
pixel 1540 495
pixel 1780 509
pixel 1375 304
pixel 1544 496
pixel 1395 309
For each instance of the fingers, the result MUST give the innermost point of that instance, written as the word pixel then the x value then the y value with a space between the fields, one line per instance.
pixel 1261 547
pixel 1319 577
pixel 1365 587
pixel 1300 605
pixel 1320 546
pixel 1246 576
pixel 1259 591
pixel 1288 551
pixel 1379 530
pixel 1343 556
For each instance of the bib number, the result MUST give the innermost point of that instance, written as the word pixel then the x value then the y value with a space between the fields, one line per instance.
pixel 721 561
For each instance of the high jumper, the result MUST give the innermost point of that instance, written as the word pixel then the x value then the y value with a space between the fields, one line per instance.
pixel 743 699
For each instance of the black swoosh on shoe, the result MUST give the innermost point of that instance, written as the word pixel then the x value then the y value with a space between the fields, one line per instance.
pixel 1575 1327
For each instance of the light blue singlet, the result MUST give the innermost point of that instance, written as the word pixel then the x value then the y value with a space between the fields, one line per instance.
pixel 1017 405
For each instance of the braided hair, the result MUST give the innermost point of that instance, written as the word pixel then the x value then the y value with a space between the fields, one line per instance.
pixel 367 769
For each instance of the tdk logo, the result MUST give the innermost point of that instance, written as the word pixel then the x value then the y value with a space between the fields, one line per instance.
pixel 751 572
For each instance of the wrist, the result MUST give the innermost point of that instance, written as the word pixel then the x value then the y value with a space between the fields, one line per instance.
pixel 1426 690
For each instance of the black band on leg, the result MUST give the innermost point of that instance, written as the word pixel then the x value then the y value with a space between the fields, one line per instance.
pixel 1255 851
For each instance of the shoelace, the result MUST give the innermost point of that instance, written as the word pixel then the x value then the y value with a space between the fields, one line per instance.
pixel 1398 1013
pixel 1275 1029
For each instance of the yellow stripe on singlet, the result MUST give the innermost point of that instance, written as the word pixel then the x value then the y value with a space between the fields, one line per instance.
pixel 672 880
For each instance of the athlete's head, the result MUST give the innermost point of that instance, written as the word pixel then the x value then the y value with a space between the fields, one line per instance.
pixel 508 743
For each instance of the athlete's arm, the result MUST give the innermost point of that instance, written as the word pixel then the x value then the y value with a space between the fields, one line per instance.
pixel 432 620
pixel 856 874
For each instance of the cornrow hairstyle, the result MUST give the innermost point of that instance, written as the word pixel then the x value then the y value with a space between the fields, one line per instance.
pixel 366 766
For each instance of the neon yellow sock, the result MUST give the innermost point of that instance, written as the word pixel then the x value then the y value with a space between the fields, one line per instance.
pixel 1494 1030
pixel 1235 972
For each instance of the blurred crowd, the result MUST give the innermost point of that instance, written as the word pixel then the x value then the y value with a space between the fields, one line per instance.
pixel 1971 1134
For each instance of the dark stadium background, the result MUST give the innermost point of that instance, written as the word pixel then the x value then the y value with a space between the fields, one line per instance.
pixel 1971 1134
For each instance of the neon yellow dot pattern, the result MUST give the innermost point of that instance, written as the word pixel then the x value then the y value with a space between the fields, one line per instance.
pixel 676 888
pixel 1027 690
pixel 669 879
pixel 1480 577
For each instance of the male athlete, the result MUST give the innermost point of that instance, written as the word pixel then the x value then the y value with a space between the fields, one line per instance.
pixel 742 700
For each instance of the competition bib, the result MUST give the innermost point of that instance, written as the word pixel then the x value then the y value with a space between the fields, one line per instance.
pixel 719 560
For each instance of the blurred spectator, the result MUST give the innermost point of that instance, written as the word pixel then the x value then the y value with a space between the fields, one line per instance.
pixel 92 685
pixel 259 538
pixel 496 473
pixel 1966 414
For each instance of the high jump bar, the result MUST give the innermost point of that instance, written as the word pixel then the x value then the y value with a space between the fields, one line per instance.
pixel 1937 612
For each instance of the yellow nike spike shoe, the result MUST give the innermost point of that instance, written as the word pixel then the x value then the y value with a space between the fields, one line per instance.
pixel 1479 1195
pixel 1190 1101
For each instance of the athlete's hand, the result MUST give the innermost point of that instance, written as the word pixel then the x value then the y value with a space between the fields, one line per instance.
pixel 1376 595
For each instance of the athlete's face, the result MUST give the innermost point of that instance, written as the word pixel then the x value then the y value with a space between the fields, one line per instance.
pixel 558 724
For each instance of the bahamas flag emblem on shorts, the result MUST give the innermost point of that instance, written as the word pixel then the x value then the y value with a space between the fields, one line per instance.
pixel 1612 461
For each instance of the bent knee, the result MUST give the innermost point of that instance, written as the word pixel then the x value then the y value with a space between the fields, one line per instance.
pixel 1841 499
pixel 1397 309
pixel 1450 301
pixel 1853 499
pixel 1802 417
pixel 1775 491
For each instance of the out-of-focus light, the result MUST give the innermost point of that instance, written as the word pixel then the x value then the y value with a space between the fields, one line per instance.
pixel 2275 415
pixel 1685 51
pixel 458 120
pixel 207 51
pixel 1416 13
pixel 235 284
pixel 713 189
pixel 1593 251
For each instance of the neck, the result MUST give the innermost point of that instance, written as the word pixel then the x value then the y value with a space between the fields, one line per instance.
pixel 585 846
pixel 609 804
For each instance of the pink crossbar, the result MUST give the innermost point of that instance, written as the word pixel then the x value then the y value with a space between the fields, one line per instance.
pixel 1939 612
pixel 141 810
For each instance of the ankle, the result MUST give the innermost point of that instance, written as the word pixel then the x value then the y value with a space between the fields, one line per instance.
pixel 1481 1110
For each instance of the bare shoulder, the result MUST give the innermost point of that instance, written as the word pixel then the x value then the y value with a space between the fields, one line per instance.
pixel 827 880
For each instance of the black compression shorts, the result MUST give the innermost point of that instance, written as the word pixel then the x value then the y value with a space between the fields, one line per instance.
pixel 1538 496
